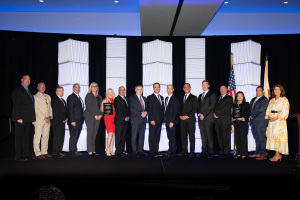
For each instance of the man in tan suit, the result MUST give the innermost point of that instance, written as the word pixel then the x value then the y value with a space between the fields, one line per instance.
pixel 43 113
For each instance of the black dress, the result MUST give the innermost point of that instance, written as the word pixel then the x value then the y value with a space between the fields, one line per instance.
pixel 241 127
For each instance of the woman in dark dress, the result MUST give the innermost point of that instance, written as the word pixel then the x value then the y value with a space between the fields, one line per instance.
pixel 240 117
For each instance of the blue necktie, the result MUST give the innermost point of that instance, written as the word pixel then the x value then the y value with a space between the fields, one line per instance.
pixel 184 99
pixel 28 91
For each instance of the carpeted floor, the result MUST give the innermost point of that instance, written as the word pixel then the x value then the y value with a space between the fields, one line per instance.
pixel 101 177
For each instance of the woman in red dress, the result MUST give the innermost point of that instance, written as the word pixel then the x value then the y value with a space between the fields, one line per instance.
pixel 109 121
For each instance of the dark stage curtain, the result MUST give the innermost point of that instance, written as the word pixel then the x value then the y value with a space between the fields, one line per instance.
pixel 36 54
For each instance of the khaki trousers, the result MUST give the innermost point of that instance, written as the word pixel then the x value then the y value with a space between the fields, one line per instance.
pixel 41 138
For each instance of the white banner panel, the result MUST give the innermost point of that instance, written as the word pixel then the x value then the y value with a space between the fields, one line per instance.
pixel 157 72
pixel 247 51
pixel 70 73
pixel 157 51
pixel 247 74
pixel 195 48
pixel 116 47
pixel 73 51
pixel 116 67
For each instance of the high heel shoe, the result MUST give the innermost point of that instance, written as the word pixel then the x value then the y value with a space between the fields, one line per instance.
pixel 107 152
pixel 112 152
pixel 275 159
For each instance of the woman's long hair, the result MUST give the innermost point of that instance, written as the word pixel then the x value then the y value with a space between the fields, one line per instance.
pixel 235 98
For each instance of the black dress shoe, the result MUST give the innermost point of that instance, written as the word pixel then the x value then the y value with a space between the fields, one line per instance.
pixel 171 155
pixel 209 156
pixel 77 153
pixel 73 155
pixel 191 155
pixel 141 154
pixel 201 155
pixel 119 154
pixel 58 156
pixel 95 154
pixel 158 155
pixel 182 154
pixel 125 153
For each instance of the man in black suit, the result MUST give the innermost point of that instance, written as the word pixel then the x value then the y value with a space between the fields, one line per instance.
pixel 206 105
pixel 138 113
pixel 223 121
pixel 121 121
pixel 171 119
pixel 23 115
pixel 155 109
pixel 60 116
pixel 186 111
pixel 75 107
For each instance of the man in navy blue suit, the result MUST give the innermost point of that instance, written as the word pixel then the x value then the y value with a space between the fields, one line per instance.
pixel 75 107
pixel 155 109
pixel 171 119
pixel 138 113
pixel 259 105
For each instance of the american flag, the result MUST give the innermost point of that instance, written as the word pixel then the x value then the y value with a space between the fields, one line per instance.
pixel 231 83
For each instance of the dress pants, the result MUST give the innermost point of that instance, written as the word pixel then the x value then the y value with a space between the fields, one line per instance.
pixel 188 130
pixel 120 137
pixel 74 136
pixel 92 126
pixel 58 137
pixel 206 132
pixel 137 136
pixel 41 138
pixel 259 134
pixel 23 138
pixel 171 133
pixel 224 137
pixel 154 137
pixel 241 140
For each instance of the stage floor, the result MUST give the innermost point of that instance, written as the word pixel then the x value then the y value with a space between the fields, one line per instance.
pixel 102 177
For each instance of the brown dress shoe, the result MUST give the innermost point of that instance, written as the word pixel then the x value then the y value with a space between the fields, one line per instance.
pixel 40 157
pixel 47 156
pixel 262 158
pixel 254 156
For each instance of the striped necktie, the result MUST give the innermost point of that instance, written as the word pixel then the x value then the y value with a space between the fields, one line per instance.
pixel 45 99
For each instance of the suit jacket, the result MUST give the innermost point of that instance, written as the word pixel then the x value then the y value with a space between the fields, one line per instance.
pixel 206 107
pixel 41 109
pixel 75 109
pixel 23 106
pixel 121 109
pixel 189 108
pixel 246 111
pixel 59 110
pixel 223 110
pixel 171 110
pixel 259 110
pixel 155 109
pixel 136 109
pixel 92 107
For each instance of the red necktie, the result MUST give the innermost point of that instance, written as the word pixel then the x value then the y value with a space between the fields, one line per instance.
pixel 142 103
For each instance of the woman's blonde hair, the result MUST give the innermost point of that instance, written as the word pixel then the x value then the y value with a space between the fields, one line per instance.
pixel 90 89
pixel 113 93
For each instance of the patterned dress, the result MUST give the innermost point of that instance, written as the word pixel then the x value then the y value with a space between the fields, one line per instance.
pixel 277 135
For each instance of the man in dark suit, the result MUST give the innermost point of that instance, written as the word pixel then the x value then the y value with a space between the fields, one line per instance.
pixel 223 121
pixel 259 105
pixel 186 111
pixel 60 116
pixel 23 115
pixel 138 113
pixel 155 109
pixel 121 121
pixel 171 119
pixel 75 107
pixel 206 105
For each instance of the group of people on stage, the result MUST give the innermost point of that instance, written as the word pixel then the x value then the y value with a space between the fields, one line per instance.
pixel 268 121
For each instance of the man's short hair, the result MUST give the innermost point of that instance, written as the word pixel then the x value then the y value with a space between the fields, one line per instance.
pixel 187 84
pixel 155 84
pixel 41 83
pixel 224 86
pixel 260 87
pixel 138 85
pixel 76 84
pixel 25 75
pixel 59 87
pixel 206 81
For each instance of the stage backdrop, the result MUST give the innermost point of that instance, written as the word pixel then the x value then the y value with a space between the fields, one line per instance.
pixel 36 54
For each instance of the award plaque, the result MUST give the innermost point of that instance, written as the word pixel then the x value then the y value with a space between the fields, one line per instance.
pixel 237 112
pixel 108 108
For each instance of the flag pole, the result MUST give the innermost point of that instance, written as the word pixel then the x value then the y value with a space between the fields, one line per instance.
pixel 232 126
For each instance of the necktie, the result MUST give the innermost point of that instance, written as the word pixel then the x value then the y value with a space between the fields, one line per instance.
pixel 142 103
pixel 62 101
pixel 202 96
pixel 184 99
pixel 254 103
pixel 158 97
pixel 124 100
pixel 80 100
pixel 167 101
pixel 221 97
pixel 28 91
pixel 45 99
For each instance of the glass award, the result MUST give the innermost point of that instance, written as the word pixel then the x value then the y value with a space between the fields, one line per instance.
pixel 237 112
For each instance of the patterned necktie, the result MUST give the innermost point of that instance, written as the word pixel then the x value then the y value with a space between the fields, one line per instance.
pixel 254 103
pixel 167 101
pixel 45 99
pixel 158 97
pixel 124 100
pixel 80 101
pixel 184 99
pixel 62 101
pixel 221 97
pixel 142 103
pixel 202 96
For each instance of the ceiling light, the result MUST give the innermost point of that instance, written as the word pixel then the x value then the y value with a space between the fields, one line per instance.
pixel 116 1
pixel 41 1
pixel 226 2
pixel 285 2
